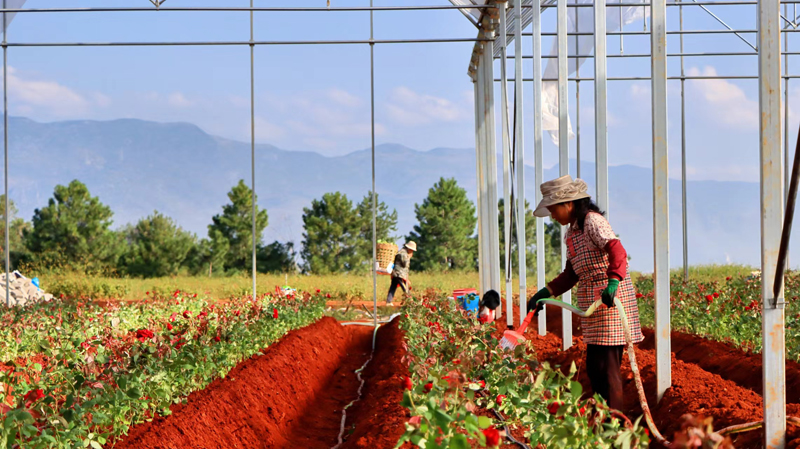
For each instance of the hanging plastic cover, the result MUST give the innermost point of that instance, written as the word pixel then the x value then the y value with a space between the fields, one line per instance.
pixel 11 4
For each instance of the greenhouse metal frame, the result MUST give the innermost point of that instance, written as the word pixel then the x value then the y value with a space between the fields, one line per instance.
pixel 501 22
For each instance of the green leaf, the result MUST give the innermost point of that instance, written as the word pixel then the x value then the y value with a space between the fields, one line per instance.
pixel 484 422
pixel 122 383
pixel 134 393
pixel 459 441
pixel 576 388
pixel 96 445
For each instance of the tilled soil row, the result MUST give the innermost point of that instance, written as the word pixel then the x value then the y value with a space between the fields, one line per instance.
pixel 708 379
pixel 293 396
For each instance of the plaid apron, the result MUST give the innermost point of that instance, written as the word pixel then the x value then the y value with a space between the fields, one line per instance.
pixel 590 264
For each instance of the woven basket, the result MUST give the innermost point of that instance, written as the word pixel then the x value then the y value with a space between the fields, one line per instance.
pixel 385 254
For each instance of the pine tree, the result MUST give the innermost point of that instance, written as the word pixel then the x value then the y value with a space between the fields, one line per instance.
pixel 157 247
pixel 385 224
pixel 444 235
pixel 332 235
pixel 17 230
pixel 235 227
pixel 73 231
pixel 552 234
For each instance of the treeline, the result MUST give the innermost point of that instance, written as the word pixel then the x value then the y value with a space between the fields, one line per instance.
pixel 73 232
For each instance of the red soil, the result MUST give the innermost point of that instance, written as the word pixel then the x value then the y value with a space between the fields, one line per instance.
pixel 291 396
pixel 708 379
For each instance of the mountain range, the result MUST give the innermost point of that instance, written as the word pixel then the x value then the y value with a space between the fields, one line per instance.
pixel 137 167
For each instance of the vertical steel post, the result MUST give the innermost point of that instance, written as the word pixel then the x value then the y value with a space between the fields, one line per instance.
pixel 372 154
pixel 7 249
pixel 476 81
pixel 519 162
pixel 577 95
pixel 786 163
pixel 600 105
pixel 482 160
pixel 538 156
pixel 505 142
pixel 684 202
pixel 491 167
pixel 253 142
pixel 773 325
pixel 563 149
pixel 658 49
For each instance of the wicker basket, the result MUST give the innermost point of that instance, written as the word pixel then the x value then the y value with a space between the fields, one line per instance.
pixel 385 254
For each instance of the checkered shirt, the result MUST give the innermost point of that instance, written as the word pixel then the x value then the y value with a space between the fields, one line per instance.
pixel 591 264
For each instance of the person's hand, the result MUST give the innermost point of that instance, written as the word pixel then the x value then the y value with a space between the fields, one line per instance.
pixel 534 303
pixel 609 293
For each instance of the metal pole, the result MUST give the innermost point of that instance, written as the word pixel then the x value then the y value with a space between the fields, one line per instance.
pixel 5 158
pixel 773 324
pixel 577 96
pixel 684 202
pixel 563 150
pixel 507 206
pixel 538 157
pixel 658 48
pixel 374 194
pixel 601 105
pixel 486 143
pixel 476 81
pixel 491 177
pixel 253 142
pixel 519 162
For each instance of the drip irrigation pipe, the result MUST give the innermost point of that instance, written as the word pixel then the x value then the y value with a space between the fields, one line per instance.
pixel 640 389
pixel 505 426
pixel 360 387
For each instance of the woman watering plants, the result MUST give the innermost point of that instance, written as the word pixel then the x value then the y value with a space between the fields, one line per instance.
pixel 598 263
pixel 400 271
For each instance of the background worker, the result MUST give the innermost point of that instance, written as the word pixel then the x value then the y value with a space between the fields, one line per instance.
pixel 400 270
pixel 598 263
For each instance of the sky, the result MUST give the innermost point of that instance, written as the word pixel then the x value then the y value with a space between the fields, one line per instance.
pixel 317 98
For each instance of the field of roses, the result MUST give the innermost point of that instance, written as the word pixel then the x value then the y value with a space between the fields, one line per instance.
pixel 75 374
pixel 727 309
pixel 460 380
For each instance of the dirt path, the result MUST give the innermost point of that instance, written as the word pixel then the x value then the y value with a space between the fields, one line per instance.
pixel 709 379
pixel 292 396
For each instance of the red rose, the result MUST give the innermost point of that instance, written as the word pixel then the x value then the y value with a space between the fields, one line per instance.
pixel 236 312
pixel 328 295
pixel 639 295
pixel 492 437
pixel 482 383
pixel 582 411
pixel 709 299
pixel 217 338
pixel 554 406
pixel 500 399
pixel 144 334
pixel 317 291
pixel 428 387
pixel 275 313
pixel 407 383
pixel 728 278
pixel 34 395
pixel 169 326
pixel 146 293
pixel 716 295
pixel 456 362
pixel 187 314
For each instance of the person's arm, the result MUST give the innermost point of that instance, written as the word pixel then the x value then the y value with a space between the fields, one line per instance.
pixel 564 281
pixel 617 260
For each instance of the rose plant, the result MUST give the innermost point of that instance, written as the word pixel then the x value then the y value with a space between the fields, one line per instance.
pixel 75 374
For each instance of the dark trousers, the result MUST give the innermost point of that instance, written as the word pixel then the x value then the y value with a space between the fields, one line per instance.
pixel 393 288
pixel 603 367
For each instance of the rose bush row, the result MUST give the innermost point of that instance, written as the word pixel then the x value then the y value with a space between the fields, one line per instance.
pixel 458 374
pixel 92 372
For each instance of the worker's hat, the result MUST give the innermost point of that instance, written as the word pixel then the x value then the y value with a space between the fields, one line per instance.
pixel 560 190
pixel 410 245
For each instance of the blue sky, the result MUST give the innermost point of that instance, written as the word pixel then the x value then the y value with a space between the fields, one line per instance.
pixel 316 98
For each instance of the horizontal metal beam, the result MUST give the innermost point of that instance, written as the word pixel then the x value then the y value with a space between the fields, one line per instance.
pixel 246 9
pixel 234 43
pixel 671 55
pixel 647 78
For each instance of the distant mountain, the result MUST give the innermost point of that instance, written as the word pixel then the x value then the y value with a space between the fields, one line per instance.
pixel 136 167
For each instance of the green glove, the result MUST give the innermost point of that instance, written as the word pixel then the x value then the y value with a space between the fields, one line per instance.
pixel 610 292
pixel 533 302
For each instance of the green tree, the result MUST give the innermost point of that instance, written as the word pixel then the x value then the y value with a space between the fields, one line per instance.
pixel 444 235
pixel 157 247
pixel 73 230
pixel 385 224
pixel 277 257
pixel 235 226
pixel 17 230
pixel 332 235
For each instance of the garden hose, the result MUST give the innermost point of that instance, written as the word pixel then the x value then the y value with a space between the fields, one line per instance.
pixel 738 428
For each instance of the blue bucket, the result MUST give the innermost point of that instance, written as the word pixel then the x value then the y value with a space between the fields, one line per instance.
pixel 469 302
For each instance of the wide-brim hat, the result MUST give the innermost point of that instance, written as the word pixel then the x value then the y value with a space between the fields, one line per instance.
pixel 560 190
pixel 410 245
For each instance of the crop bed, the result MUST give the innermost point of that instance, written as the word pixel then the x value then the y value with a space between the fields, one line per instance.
pixel 710 379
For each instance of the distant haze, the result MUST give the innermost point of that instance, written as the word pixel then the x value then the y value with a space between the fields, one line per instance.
pixel 137 166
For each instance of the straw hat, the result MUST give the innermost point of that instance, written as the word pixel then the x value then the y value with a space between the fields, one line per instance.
pixel 560 190
pixel 410 245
